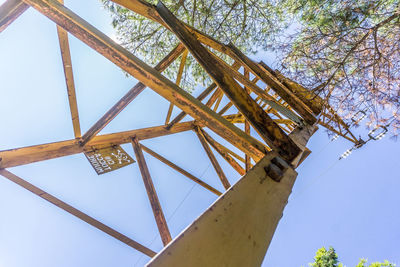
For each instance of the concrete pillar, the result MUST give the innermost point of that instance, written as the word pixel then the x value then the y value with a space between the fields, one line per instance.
pixel 237 229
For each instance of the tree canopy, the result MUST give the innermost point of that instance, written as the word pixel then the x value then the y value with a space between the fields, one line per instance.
pixel 247 24
pixel 346 51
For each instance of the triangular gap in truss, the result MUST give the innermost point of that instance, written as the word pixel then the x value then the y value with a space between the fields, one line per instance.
pixel 146 110
pixel 229 146
pixel 93 12
pixel 238 155
pixel 116 198
pixel 184 150
pixel 29 219
pixel 182 194
pixel 99 88
pixel 33 85
pixel 219 146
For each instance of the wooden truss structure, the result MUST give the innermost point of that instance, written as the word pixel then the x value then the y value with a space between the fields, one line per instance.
pixel 277 108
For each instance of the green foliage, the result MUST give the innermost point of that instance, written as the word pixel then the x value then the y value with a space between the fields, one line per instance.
pixel 346 51
pixel 326 258
pixel 329 258
pixel 246 23
pixel 363 263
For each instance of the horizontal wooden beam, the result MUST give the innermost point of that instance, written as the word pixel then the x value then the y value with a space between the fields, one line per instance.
pixel 180 170
pixel 129 97
pixel 146 74
pixel 269 131
pixel 10 11
pixel 26 155
pixel 77 213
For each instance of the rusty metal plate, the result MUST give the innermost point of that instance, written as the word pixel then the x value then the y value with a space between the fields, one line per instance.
pixel 108 159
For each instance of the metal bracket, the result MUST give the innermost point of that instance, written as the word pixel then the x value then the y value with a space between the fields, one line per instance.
pixel 276 169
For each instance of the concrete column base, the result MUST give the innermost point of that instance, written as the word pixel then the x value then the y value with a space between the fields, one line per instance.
pixel 237 229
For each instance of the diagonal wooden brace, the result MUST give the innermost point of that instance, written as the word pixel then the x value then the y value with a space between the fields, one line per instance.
pixel 269 131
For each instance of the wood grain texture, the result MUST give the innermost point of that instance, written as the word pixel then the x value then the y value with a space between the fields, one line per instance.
pixel 129 97
pixel 203 95
pixel 69 78
pixel 269 131
pixel 146 74
pixel 26 155
pixel 301 108
pixel 152 194
pixel 212 158
pixel 177 82
pixel 10 11
pixel 224 152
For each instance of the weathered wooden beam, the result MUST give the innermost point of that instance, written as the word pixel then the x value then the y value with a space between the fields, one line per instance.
pixel 212 158
pixel 146 74
pixel 180 170
pixel 247 125
pixel 262 123
pixel 313 101
pixel 69 78
pixel 245 80
pixel 329 127
pixel 77 213
pixel 335 117
pixel 224 152
pixel 10 11
pixel 214 97
pixel 152 194
pixel 301 108
pixel 178 82
pixel 129 96
pixel 26 155
pixel 203 95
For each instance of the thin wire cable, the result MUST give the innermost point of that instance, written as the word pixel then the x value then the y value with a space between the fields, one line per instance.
pixel 175 210
pixel 316 179
pixel 319 152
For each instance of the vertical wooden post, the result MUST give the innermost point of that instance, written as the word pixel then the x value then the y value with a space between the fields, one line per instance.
pixel 151 192
pixel 69 78
pixel 247 125
pixel 178 82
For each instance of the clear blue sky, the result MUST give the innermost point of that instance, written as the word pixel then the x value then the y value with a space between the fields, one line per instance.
pixel 351 205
